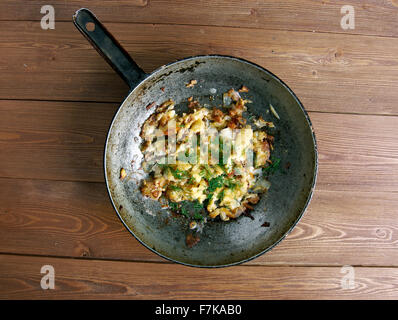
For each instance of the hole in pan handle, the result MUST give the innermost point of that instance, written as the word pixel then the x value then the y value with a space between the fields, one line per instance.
pixel 108 47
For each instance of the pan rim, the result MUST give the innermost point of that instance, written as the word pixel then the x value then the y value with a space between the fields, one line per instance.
pixel 308 197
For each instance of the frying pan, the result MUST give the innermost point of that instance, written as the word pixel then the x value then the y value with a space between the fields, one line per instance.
pixel 222 243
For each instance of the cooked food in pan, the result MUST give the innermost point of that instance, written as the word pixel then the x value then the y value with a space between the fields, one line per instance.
pixel 203 187
pixel 207 163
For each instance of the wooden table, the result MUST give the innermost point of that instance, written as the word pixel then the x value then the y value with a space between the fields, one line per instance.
pixel 57 97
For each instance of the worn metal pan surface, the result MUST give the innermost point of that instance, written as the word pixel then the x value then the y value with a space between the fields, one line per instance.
pixel 222 244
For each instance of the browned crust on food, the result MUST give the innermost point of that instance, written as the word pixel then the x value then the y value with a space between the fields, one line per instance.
pixel 217 115
pixel 191 240
pixel 149 106
pixel 243 89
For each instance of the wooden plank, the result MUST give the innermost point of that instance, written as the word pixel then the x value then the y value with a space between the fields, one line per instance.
pixel 54 140
pixel 354 228
pixel 75 219
pixel 84 279
pixel 373 17
pixel 65 141
pixel 354 155
pixel 64 218
pixel 329 72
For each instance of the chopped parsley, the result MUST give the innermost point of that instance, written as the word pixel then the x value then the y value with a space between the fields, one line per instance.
pixel 230 183
pixel 206 172
pixel 175 188
pixel 178 174
pixel 198 216
pixel 221 195
pixel 191 180
pixel 173 205
pixel 274 166
pixel 221 181
pixel 189 209
pixel 184 212
pixel 197 205
pixel 215 183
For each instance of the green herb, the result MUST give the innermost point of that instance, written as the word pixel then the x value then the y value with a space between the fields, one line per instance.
pixel 198 216
pixel 221 153
pixel 221 195
pixel 276 162
pixel 163 166
pixel 274 166
pixel 175 188
pixel 206 172
pixel 188 208
pixel 188 157
pixel 197 205
pixel 191 180
pixel 178 174
pixel 173 206
pixel 215 183
pixel 184 212
pixel 230 183
pixel 219 182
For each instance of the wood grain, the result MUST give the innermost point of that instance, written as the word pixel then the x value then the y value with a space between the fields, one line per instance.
pixel 65 141
pixel 84 279
pixel 353 208
pixel 58 96
pixel 64 218
pixel 373 17
pixel 329 72
pixel 75 219
pixel 354 155
pixel 54 140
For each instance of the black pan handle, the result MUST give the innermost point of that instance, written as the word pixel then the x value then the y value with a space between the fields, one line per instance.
pixel 108 47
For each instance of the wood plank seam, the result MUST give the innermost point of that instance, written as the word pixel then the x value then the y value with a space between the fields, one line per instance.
pixel 167 262
pixel 373 17
pixel 319 68
pixel 348 33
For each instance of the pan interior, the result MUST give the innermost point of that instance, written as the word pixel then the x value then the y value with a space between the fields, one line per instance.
pixel 222 243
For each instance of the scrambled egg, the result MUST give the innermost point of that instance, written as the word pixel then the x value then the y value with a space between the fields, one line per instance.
pixel 210 157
